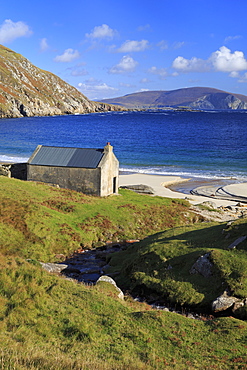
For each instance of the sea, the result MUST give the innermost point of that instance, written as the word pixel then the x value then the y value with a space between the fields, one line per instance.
pixel 202 145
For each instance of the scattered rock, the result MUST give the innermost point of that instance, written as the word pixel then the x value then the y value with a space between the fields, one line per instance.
pixel 209 204
pixel 220 214
pixel 53 267
pixel 190 316
pixel 202 266
pixel 223 302
pixel 108 279
pixel 143 189
pixel 237 305
pixel 243 213
pixel 237 242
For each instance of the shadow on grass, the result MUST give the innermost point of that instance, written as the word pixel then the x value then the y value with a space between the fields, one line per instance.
pixel 200 236
pixel 162 262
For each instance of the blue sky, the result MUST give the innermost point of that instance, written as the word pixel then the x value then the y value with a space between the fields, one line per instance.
pixel 112 48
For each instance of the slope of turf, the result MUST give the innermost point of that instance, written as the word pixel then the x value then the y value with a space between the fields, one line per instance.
pixel 162 264
pixel 48 322
pixel 38 221
pixel 51 323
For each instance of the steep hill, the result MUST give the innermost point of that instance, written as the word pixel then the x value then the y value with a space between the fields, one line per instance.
pixel 193 97
pixel 26 90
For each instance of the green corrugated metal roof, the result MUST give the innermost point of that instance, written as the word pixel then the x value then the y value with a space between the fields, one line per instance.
pixel 67 157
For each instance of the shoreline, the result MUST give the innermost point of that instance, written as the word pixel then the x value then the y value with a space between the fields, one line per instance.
pixel 195 182
pixel 223 192
pixel 168 186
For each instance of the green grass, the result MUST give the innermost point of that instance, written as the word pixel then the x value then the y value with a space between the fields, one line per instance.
pixel 49 322
pixel 47 221
pixel 161 264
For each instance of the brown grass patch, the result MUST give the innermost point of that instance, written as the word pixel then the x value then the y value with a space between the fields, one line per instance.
pixel 59 206
pixel 13 213
pixel 67 230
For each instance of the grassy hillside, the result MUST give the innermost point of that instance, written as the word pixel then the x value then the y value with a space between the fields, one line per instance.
pixel 38 221
pixel 161 265
pixel 48 322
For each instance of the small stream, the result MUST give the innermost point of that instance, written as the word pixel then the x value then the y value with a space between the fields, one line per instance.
pixel 88 265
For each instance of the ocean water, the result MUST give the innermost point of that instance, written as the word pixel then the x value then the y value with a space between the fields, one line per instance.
pixel 208 145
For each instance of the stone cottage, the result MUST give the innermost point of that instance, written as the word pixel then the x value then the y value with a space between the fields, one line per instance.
pixel 90 171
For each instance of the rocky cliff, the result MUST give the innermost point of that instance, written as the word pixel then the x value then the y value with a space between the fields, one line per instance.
pixel 26 90
pixel 220 100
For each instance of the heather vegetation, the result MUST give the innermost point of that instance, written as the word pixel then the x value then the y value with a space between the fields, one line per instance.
pixel 49 322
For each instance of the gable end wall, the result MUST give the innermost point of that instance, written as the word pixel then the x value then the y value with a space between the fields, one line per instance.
pixel 109 170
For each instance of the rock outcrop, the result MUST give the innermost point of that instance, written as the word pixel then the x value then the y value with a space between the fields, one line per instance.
pixel 219 101
pixel 26 90
pixel 54 268
pixel 109 280
pixel 237 242
pixel 202 266
pixel 225 302
pixel 142 189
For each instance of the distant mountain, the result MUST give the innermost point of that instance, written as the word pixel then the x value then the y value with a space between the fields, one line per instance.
pixel 26 90
pixel 192 97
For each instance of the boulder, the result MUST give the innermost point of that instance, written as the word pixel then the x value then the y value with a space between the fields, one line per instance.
pixel 108 279
pixel 143 189
pixel 202 266
pixel 223 302
pixel 53 267
pixel 237 242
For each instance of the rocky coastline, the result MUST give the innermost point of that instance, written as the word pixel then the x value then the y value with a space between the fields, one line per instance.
pixel 28 91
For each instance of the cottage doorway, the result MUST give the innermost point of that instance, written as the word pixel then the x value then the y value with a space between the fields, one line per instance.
pixel 114 184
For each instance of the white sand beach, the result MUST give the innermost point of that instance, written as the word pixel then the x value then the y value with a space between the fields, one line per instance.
pixel 159 185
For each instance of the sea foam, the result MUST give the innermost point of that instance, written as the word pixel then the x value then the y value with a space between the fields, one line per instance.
pixel 13 159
